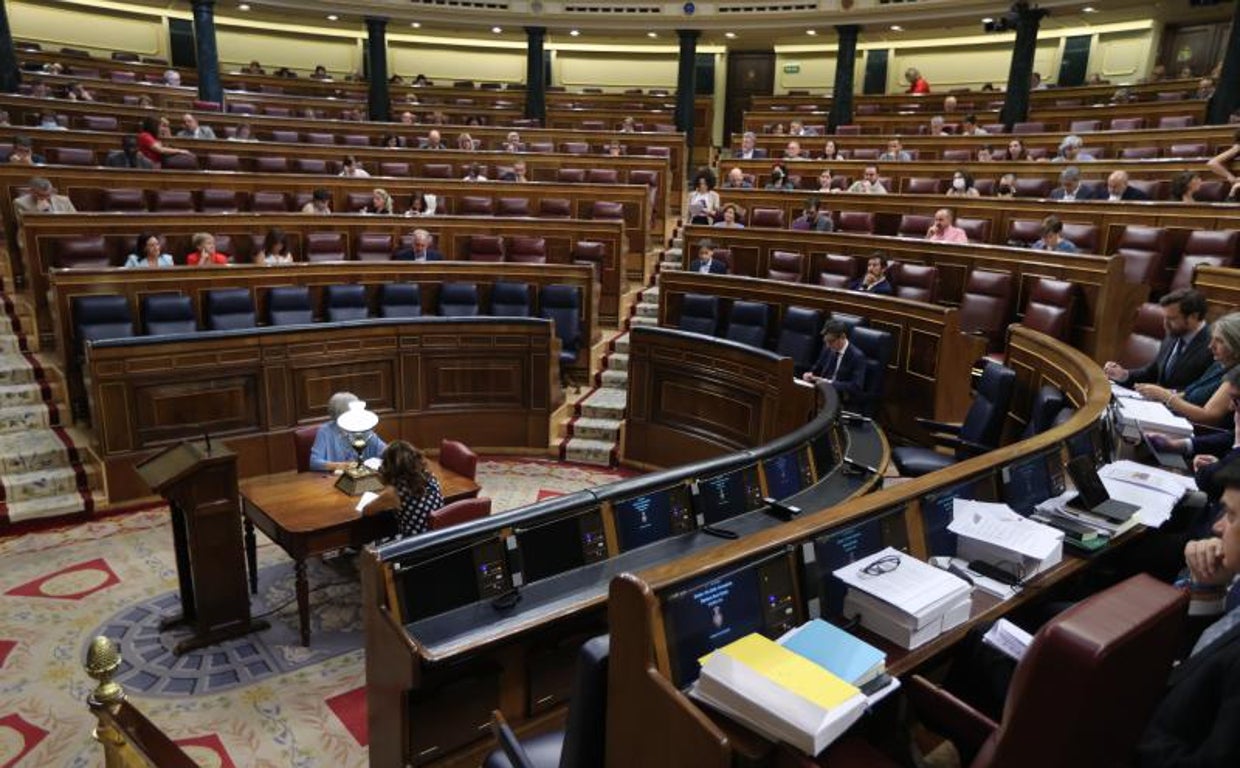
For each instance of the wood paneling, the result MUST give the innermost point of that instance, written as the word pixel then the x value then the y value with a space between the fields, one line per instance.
pixel 497 388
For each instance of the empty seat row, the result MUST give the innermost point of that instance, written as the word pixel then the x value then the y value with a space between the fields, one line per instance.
pixel 99 317
pixel 98 251
pixel 1034 126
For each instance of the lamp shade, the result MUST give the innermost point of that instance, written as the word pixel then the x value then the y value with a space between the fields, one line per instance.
pixel 357 418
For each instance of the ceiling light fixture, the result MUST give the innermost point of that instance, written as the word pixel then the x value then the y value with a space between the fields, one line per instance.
pixel 730 35
pixel 574 32
pixel 333 17
pixel 811 32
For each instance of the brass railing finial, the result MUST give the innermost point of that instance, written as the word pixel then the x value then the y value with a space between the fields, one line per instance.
pixel 102 661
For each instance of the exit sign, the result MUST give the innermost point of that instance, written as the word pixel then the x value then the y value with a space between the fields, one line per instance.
pixel 792 69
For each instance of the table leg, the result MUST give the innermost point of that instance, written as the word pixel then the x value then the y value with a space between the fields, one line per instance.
pixel 303 600
pixel 251 555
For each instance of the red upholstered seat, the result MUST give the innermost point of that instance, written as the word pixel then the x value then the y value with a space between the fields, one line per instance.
pixel 838 270
pixel 286 136
pixel 918 282
pixel 1127 123
pixel 1029 127
pixel 458 512
pixel 437 171
pixel 486 248
pixel 1175 121
pixel 575 148
pixel 602 176
pixel 455 456
pixel 269 202
pixel 527 250
pixel 82 251
pixel 124 199
pixel 914 225
pixel 512 206
pixel 1050 307
pixel 1188 150
pixel 555 208
pixel 767 217
pixel 978 230
pixel 393 169
pixel 920 185
pixel 1083 236
pixel 607 210
pixel 218 162
pixel 1138 153
pixel 1205 247
pixel 570 175
pixel 173 200
pixel 475 205
pixel 99 122
pixel 1141 345
pixel 303 441
pixel 1085 126
pixel 1033 187
pixel 325 246
pixel 183 162
pixel 310 165
pixel 787 266
pixel 355 140
pixel 70 156
pixel 374 246
pixel 1024 232
pixel 857 221
pixel 220 201
pixel 1083 691
pixel 271 164
pixel 986 305
pixel 1144 250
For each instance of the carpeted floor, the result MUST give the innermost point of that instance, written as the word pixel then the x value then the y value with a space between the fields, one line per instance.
pixel 259 701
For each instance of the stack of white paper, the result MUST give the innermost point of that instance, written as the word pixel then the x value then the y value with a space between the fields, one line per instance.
pixel 910 603
pixel 997 534
pixel 1156 491
pixel 1137 415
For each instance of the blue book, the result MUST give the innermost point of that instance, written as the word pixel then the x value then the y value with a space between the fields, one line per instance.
pixel 844 655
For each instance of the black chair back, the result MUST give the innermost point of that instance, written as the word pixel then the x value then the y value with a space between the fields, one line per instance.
pixel 799 337
pixel 699 313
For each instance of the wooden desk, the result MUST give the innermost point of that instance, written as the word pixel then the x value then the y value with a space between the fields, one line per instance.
pixel 305 515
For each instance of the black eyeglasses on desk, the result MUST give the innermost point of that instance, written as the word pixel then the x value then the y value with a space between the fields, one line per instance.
pixel 885 564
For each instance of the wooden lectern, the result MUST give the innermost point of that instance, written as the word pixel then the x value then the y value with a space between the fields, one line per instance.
pixel 200 484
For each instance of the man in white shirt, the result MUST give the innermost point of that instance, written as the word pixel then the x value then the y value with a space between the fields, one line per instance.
pixel 747 151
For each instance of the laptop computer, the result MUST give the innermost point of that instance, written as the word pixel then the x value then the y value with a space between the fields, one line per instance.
pixel 1165 459
pixel 1092 495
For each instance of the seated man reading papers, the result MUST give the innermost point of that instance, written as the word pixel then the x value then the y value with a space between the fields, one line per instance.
pixel 840 363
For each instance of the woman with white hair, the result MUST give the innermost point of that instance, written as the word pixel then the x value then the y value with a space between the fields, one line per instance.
pixel 331 449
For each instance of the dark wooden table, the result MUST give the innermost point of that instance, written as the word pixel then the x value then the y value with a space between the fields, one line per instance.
pixel 306 515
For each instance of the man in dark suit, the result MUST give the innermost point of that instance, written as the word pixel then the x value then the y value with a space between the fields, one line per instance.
pixel 840 363
pixel 421 249
pixel 706 263
pixel 1185 352
pixel 1070 188
pixel 1118 189
pixel 1195 724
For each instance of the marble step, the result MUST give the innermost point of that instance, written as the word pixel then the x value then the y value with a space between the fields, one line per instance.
pixel 15 395
pixel 14 369
pixel 11 344
pixel 621 344
pixel 650 295
pixel 618 361
pixel 21 418
pixel 673 254
pixel 50 506
pixel 585 451
pixel 34 450
pixel 645 309
pixel 604 404
pixel 28 486
pixel 640 320
pixel 595 429
pixel 609 379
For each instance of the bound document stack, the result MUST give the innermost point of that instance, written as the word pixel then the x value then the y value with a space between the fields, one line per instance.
pixel 779 693
pixel 997 535
pixel 1138 415
pixel 903 599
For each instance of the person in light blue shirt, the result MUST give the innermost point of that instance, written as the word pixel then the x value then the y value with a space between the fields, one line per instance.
pixel 148 254
pixel 1052 237
pixel 331 449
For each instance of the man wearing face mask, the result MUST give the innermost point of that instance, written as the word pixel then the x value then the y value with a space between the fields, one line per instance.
pixel 868 184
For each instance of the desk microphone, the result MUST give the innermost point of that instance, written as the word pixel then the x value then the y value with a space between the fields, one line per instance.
pixel 784 512
pixel 850 417
pixel 507 600
pixel 856 465
pixel 722 533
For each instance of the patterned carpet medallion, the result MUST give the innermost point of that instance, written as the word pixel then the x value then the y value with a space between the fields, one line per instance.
pixel 260 701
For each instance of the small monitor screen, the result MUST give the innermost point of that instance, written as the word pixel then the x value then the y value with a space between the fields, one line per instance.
pixel 561 545
pixel 719 609
pixel 827 450
pixel 827 554
pixel 936 512
pixel 447 580
pixel 787 474
pixel 650 517
pixel 1029 482
pixel 728 495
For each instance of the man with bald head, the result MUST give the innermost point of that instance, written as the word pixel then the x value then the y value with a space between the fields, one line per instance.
pixel 434 140
pixel 191 129
pixel 944 229
pixel 421 250
pixel 1119 190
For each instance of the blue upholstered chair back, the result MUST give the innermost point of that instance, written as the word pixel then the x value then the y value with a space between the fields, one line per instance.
pixel 230 309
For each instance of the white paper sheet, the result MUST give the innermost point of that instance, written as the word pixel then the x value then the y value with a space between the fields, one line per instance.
pixel 1000 525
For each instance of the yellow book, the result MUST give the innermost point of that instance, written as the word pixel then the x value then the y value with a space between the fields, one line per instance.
pixel 790 671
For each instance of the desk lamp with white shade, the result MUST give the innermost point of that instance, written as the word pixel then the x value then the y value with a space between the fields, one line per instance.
pixel 358 423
